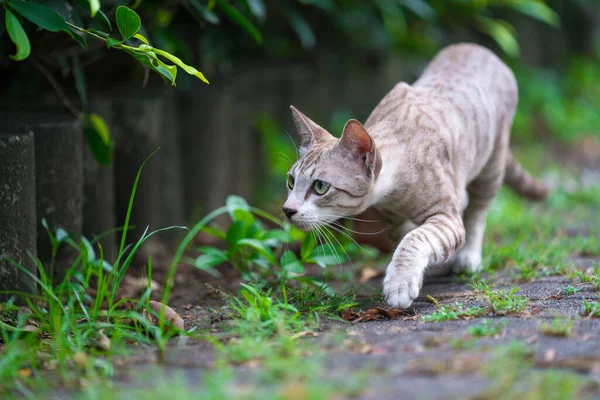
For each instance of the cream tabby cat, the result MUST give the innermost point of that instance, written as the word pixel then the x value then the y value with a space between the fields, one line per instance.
pixel 430 158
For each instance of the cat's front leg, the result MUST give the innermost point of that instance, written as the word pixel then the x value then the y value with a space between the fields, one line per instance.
pixel 432 243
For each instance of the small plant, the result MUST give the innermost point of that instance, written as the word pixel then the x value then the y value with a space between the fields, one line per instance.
pixel 449 312
pixel 320 299
pixel 486 329
pixel 591 309
pixel 526 272
pixel 592 277
pixel 482 286
pixel 504 302
pixel 560 327
pixel 569 290
pixel 258 252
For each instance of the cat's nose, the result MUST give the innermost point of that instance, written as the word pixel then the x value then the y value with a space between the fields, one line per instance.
pixel 289 212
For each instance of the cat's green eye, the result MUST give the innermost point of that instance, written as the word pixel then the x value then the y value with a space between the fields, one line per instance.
pixel 290 182
pixel 320 187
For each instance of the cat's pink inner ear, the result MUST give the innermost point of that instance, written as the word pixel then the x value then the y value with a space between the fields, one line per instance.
pixel 356 137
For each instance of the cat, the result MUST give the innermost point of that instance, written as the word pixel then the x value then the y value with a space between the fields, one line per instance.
pixel 430 159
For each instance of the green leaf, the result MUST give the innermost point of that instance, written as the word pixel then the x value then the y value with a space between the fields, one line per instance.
pixel 502 32
pixel 165 69
pixel 234 202
pixel 308 246
pixel 128 22
pixel 190 70
pixel 141 38
pixel 18 36
pixel 98 138
pixel 94 7
pixel 236 232
pixel 40 15
pixel 537 10
pixel 149 61
pixel 210 257
pixel 260 247
pixel 105 19
pixel 218 233
pixel 245 216
pixel 324 256
pixel 421 8
pixel 290 262
pixel 238 18
pixel 278 235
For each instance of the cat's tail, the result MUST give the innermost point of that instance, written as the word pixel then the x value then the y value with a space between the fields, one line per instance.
pixel 522 182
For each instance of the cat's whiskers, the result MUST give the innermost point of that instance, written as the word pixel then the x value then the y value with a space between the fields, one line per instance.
pixel 357 232
pixel 347 235
pixel 350 218
pixel 294 143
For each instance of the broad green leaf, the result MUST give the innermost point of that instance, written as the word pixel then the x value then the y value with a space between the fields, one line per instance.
pixel 79 37
pixel 101 127
pixel 211 256
pixel 190 70
pixel 128 21
pixel 166 69
pixel 260 247
pixel 91 254
pixel 18 36
pixel 98 138
pixel 236 232
pixel 42 16
pixel 148 61
pixel 324 256
pixel 308 246
pixel 537 10
pixel 94 7
pixel 245 216
pixel 105 19
pixel 234 202
pixel 503 33
pixel 279 235
pixel 141 38
pixel 238 18
pixel 218 233
pixel 290 262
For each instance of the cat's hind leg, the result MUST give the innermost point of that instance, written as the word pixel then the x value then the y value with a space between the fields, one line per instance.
pixel 481 194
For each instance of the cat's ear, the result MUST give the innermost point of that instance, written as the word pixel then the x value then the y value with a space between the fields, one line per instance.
pixel 308 130
pixel 356 141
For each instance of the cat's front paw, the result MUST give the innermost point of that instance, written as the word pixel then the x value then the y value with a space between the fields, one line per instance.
pixel 401 286
pixel 466 260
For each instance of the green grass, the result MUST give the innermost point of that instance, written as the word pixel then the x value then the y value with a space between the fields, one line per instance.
pixel 591 309
pixel 485 329
pixel 449 312
pixel 560 327
pixel 513 378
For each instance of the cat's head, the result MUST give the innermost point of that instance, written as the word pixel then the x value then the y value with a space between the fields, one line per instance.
pixel 333 177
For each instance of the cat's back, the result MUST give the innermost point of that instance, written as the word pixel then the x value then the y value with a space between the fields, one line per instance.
pixel 468 67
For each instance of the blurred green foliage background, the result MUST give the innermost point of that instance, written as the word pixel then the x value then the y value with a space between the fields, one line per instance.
pixel 332 57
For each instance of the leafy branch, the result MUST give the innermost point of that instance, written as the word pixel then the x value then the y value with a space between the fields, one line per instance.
pixel 128 23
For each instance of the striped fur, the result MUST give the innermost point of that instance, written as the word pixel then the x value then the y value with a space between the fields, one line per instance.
pixel 430 159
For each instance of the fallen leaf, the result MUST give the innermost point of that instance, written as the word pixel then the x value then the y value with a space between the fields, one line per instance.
pixel 170 315
pixel 372 314
pixel 369 273
pixel 24 373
